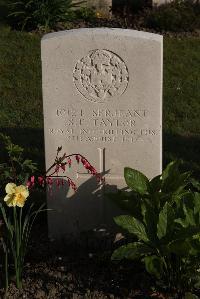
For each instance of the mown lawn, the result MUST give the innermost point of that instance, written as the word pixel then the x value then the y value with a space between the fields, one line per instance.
pixel 181 109
pixel 21 97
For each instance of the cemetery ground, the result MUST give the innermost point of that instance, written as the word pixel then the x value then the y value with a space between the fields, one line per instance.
pixel 64 270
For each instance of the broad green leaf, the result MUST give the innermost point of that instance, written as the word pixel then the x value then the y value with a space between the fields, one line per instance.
pixel 195 183
pixel 128 202
pixel 180 247
pixel 197 279
pixel 178 198
pixel 186 232
pixel 171 170
pixel 165 221
pixel 150 217
pixel 184 179
pixel 182 222
pixel 178 190
pixel 154 265
pixel 188 209
pixel 196 202
pixel 195 245
pixel 156 183
pixel 189 295
pixel 132 225
pixel 136 180
pixel 7 174
pixel 172 180
pixel 131 251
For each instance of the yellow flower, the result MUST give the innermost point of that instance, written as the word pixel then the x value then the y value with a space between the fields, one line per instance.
pixel 16 195
pixel 98 15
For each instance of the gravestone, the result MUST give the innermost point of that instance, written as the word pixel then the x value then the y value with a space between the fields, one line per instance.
pixel 102 97
pixel 160 2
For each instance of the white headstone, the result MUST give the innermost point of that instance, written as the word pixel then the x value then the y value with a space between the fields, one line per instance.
pixel 160 2
pixel 102 96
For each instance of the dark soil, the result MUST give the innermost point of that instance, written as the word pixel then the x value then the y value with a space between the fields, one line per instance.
pixel 81 270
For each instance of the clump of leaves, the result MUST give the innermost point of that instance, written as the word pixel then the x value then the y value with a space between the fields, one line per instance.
pixel 166 221
pixel 85 13
pixel 178 15
pixel 33 14
pixel 16 168
pixel 16 221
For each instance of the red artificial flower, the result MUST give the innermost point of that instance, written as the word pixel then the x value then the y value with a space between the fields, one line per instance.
pixel 57 168
pixel 78 158
pixel 49 181
pixel 63 167
pixel 41 181
pixel 58 183
pixel 31 183
pixel 69 161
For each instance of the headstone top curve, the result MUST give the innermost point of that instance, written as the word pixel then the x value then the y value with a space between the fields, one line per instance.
pixel 104 30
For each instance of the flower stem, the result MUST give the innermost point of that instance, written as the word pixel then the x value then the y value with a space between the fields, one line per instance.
pixel 17 256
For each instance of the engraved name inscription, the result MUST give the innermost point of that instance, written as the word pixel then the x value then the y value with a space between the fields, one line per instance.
pixel 104 125
pixel 100 76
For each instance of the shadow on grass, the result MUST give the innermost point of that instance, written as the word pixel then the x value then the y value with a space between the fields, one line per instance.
pixel 175 146
pixel 32 140
pixel 185 148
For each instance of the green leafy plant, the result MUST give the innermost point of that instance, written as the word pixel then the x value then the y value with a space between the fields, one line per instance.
pixel 166 223
pixel 16 216
pixel 16 168
pixel 17 224
pixel 178 15
pixel 125 7
pixel 3 11
pixel 85 13
pixel 32 14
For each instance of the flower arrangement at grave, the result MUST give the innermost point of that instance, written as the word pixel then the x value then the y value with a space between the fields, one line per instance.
pixel 53 176
pixel 17 212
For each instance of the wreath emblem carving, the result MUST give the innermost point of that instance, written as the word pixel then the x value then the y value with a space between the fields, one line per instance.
pixel 100 76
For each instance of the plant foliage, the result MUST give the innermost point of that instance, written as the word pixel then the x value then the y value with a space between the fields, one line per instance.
pixel 178 15
pixel 125 7
pixel 32 14
pixel 13 166
pixel 17 224
pixel 166 221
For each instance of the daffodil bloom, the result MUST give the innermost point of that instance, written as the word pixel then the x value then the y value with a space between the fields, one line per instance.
pixel 98 15
pixel 16 195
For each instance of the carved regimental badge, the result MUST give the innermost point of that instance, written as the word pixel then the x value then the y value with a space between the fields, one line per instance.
pixel 100 76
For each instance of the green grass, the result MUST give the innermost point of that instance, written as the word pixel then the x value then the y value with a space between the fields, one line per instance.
pixel 21 97
pixel 181 111
pixel 21 91
pixel 182 86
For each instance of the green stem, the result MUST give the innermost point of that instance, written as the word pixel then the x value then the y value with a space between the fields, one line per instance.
pixel 17 256
pixel 6 271
pixel 5 266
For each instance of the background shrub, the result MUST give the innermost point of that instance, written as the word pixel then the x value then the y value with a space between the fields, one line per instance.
pixel 127 7
pixel 32 14
pixel 85 13
pixel 4 11
pixel 175 16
